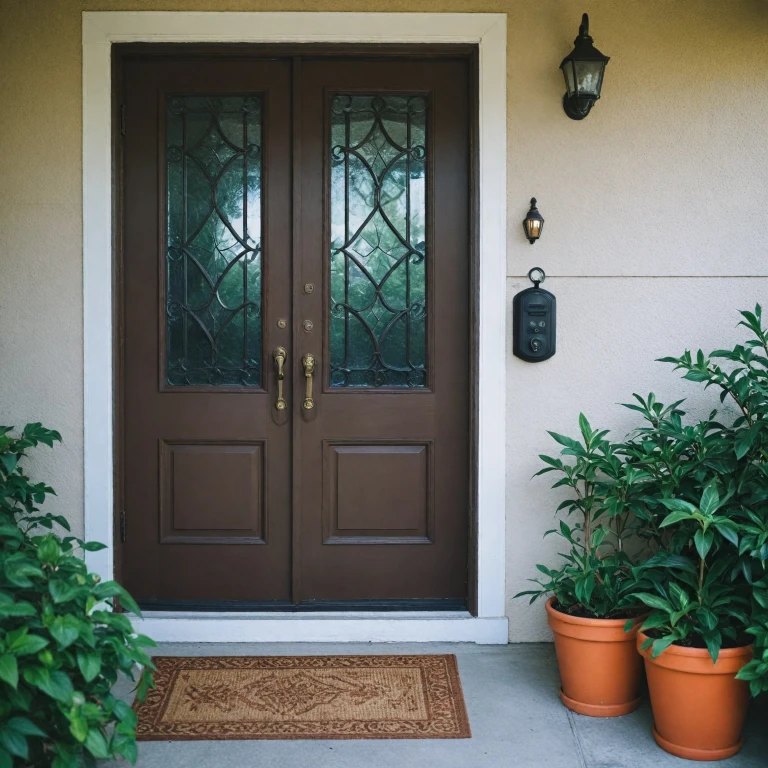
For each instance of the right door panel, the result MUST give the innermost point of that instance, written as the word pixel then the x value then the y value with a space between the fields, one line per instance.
pixel 384 450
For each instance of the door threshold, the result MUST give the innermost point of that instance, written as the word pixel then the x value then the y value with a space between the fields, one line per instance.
pixel 306 606
pixel 322 627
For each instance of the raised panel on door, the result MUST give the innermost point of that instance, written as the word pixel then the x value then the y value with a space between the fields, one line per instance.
pixel 206 276
pixel 384 451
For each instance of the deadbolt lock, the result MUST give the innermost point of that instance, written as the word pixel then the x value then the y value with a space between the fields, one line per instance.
pixel 308 325
pixel 309 287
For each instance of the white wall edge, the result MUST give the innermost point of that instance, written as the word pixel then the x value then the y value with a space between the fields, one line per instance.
pixel 100 30
pixel 318 628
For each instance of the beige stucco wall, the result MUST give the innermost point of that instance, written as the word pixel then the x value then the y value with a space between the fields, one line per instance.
pixel 655 208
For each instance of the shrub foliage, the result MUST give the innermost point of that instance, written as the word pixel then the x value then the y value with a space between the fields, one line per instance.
pixel 61 644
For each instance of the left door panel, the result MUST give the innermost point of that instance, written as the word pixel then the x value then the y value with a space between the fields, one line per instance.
pixel 206 275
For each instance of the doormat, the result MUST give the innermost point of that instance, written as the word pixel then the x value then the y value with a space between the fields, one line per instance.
pixel 304 697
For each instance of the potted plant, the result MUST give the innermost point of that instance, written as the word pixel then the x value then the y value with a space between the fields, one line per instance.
pixel 707 484
pixel 61 647
pixel 591 594
pixel 694 642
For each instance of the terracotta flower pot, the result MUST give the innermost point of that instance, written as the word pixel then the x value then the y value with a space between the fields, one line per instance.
pixel 599 666
pixel 698 707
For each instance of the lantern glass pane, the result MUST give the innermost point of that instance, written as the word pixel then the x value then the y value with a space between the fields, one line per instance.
pixel 533 227
pixel 588 77
pixel 569 78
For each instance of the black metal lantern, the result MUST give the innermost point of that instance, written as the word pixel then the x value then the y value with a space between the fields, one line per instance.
pixel 583 69
pixel 533 223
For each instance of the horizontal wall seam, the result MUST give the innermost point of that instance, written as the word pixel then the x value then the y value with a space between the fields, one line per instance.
pixel 647 277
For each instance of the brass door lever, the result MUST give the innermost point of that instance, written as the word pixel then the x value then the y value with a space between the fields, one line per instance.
pixel 308 361
pixel 279 354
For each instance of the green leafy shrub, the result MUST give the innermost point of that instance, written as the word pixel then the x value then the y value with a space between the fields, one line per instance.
pixel 742 470
pixel 598 576
pixel 694 496
pixel 697 596
pixel 708 488
pixel 61 647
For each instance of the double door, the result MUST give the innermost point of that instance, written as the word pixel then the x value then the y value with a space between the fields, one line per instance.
pixel 295 331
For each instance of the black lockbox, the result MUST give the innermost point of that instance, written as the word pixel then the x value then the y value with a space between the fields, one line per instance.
pixel 534 323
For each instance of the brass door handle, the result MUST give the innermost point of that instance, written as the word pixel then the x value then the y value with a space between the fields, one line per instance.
pixel 279 354
pixel 308 361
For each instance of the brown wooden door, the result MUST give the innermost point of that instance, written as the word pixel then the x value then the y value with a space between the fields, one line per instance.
pixel 384 454
pixel 207 275
pixel 317 205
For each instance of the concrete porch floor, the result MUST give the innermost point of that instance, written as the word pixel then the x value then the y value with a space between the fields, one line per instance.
pixel 516 717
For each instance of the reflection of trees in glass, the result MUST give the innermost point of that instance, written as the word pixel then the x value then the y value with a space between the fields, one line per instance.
pixel 378 220
pixel 213 261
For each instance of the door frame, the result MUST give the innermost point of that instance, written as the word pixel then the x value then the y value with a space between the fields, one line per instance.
pixel 101 240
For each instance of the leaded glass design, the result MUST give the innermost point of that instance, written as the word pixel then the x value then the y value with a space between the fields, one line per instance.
pixel 378 311
pixel 213 249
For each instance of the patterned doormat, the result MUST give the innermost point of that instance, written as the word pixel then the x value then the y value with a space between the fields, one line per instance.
pixel 304 697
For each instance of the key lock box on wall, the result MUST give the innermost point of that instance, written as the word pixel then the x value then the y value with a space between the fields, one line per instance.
pixel 534 321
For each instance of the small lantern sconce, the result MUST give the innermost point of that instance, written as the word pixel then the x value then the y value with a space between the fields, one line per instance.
pixel 583 69
pixel 533 223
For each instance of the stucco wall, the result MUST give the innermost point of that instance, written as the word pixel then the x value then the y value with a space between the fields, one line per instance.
pixel 655 209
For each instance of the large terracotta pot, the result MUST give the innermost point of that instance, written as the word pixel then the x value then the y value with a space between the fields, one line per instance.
pixel 698 707
pixel 599 666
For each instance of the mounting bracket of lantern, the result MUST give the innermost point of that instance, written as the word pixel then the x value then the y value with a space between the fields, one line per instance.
pixel 583 69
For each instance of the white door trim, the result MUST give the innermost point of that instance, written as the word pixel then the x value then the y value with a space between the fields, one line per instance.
pixel 488 30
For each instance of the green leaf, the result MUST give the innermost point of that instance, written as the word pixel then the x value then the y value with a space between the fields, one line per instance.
pixel 703 541
pixel 9 461
pixel 21 608
pixel 129 604
pixel 93 546
pixel 678 505
pixel 14 743
pixel 25 726
pixel 62 592
pixel 661 645
pixel 654 601
pixel 126 747
pixel 706 617
pixel 78 727
pixel 49 550
pixel 55 684
pixel 710 500
pixel 89 663
pixel 664 559
pixel 9 670
pixel 125 713
pixel 65 630
pixel 679 594
pixel 675 517
pixel 96 744
pixel 744 440
pixel 728 532
pixel 586 429
pixel 714 643
pixel 21 643
pixel 19 571
pixel 6 761
pixel 655 621
pixel 568 442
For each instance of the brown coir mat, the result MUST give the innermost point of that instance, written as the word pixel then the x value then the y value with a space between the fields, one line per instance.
pixel 304 697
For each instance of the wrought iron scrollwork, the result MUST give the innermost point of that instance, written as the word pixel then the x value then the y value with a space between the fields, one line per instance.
pixel 378 255
pixel 213 253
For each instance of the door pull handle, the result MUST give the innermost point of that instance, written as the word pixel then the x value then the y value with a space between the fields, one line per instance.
pixel 308 361
pixel 279 354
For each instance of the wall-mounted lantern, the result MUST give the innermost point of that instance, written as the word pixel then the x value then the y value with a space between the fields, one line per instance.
pixel 583 69
pixel 533 223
